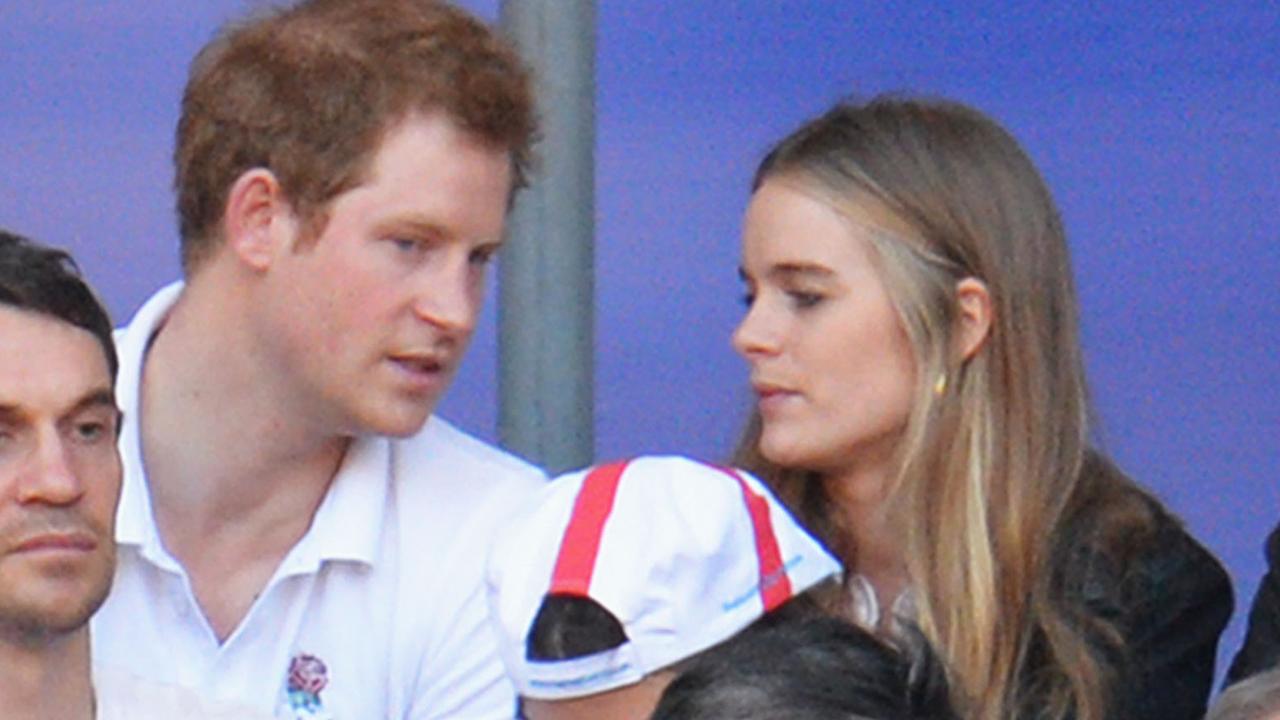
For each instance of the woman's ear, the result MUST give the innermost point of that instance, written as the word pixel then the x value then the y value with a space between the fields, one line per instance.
pixel 255 214
pixel 973 321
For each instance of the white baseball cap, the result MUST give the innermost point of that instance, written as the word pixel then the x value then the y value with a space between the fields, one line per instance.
pixel 682 553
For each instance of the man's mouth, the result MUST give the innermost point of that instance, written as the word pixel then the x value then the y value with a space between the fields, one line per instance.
pixel 424 371
pixel 58 542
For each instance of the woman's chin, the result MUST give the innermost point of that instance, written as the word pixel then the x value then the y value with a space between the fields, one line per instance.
pixel 786 452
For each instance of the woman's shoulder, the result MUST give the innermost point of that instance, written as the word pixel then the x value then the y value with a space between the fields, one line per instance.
pixel 1128 558
pixel 1151 598
pixel 1174 565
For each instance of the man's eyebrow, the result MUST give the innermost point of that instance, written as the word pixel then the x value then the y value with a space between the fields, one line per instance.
pixel 413 223
pixel 98 397
pixel 10 413
pixel 417 226
pixel 95 398
pixel 417 223
pixel 430 229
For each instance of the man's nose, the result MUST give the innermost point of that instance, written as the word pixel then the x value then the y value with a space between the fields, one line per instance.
pixel 450 299
pixel 50 477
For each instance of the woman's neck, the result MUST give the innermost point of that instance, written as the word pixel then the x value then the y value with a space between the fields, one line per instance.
pixel 868 540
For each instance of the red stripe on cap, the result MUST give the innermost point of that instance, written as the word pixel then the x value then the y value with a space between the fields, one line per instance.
pixel 775 585
pixel 581 543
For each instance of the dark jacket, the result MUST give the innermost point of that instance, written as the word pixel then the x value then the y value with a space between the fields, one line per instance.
pixel 1165 597
pixel 1261 650
pixel 1179 601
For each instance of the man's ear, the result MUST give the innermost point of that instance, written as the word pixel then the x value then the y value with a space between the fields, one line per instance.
pixel 973 319
pixel 256 214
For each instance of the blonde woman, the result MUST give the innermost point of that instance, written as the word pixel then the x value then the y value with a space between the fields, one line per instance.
pixel 912 338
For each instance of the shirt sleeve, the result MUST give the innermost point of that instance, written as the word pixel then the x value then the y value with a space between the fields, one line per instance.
pixel 1261 649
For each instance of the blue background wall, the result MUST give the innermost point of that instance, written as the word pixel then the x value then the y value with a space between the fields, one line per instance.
pixel 1156 125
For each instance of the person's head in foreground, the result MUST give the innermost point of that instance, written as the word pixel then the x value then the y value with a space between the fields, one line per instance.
pixel 59 479
pixel 622 572
pixel 344 172
pixel 912 337
pixel 1254 698
pixel 810 669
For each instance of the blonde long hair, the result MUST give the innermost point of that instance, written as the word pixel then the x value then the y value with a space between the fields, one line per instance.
pixel 989 469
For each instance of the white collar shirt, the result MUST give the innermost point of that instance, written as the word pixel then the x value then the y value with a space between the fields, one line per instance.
pixel 125 697
pixel 863 607
pixel 377 612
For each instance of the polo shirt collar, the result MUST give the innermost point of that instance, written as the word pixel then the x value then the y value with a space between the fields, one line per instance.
pixel 135 523
pixel 348 525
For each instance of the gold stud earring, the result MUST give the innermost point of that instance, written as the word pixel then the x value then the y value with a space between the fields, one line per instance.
pixel 940 385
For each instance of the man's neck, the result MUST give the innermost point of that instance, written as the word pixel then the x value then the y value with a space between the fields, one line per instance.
pixel 224 435
pixel 235 471
pixel 46 678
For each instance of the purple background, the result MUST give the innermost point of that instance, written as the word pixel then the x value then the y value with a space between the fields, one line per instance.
pixel 1156 125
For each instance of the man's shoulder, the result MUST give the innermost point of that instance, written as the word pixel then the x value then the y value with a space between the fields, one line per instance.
pixel 451 490
pixel 441 448
pixel 444 470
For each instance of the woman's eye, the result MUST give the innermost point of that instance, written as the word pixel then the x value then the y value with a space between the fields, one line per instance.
pixel 804 300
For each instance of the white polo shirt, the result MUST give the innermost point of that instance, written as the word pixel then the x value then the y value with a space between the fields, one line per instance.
pixel 377 612
pixel 124 697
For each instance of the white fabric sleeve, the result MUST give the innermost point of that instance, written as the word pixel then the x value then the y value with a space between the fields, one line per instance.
pixel 464 677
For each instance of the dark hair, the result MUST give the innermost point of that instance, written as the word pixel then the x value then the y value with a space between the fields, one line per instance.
pixel 46 280
pixel 573 626
pixel 310 91
pixel 814 669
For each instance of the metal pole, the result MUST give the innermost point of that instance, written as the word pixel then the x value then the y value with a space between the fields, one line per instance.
pixel 545 316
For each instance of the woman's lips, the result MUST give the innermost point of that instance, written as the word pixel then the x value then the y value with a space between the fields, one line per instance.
pixel 773 398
